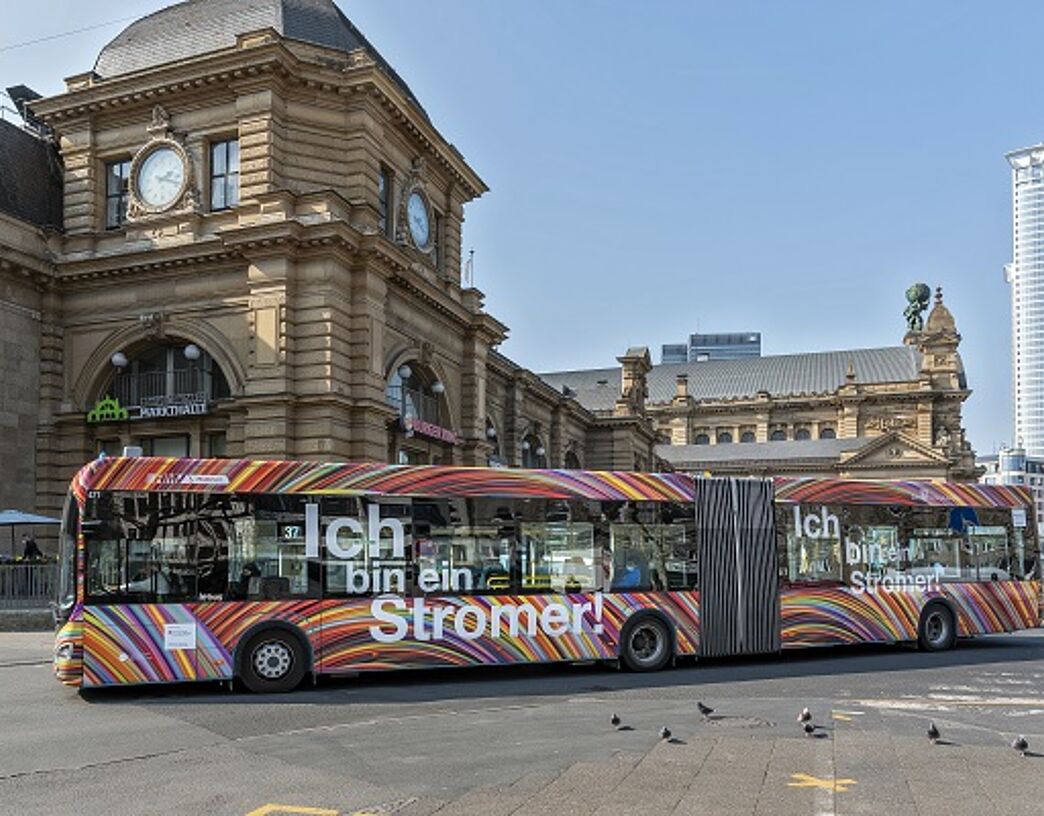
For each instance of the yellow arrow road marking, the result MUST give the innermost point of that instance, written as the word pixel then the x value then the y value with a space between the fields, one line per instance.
pixel 803 780
pixel 842 717
pixel 279 810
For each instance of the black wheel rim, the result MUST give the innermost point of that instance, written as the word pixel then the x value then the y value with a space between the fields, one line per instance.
pixel 936 628
pixel 647 644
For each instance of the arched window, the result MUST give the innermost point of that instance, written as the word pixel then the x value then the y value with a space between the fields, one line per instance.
pixel 415 392
pixel 702 439
pixel 160 375
pixel 493 439
pixel 827 433
pixel 802 434
pixel 724 438
pixel 747 436
pixel 778 435
pixel 572 461
pixel 533 453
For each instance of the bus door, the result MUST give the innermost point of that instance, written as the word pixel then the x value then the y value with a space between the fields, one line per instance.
pixel 739 585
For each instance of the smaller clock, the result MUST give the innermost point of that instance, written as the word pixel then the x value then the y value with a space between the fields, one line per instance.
pixel 417 216
pixel 161 178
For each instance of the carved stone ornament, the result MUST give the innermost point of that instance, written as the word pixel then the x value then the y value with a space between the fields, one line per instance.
pixel 152 323
pixel 890 423
pixel 160 124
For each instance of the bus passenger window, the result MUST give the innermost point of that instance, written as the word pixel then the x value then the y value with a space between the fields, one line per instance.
pixel 813 542
pixel 267 552
pixel 649 555
pixel 557 550
pixel 458 547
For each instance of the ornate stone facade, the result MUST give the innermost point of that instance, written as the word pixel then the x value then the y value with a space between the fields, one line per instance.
pixel 313 315
pixel 869 413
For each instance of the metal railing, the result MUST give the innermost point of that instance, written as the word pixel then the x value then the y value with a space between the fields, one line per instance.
pixel 191 384
pixel 27 585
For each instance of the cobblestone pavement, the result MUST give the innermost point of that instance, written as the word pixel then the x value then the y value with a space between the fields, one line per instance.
pixel 538 740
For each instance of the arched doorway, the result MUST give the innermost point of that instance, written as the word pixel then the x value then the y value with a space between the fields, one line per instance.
pixel 161 396
pixel 495 457
pixel 420 434
pixel 534 455
pixel 572 460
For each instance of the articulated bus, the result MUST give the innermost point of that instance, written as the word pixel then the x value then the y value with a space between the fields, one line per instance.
pixel 268 571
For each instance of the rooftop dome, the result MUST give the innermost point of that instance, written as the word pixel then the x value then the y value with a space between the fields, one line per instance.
pixel 197 27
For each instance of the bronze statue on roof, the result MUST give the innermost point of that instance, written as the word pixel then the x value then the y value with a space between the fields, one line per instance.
pixel 917 297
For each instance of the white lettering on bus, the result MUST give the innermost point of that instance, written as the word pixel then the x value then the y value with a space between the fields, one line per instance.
pixel 822 523
pixel 397 621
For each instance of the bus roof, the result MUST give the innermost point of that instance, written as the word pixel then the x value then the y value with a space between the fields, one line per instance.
pixel 144 473
pixel 802 490
pixel 376 479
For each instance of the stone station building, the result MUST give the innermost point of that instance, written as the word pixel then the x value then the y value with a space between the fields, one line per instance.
pixel 257 252
pixel 891 412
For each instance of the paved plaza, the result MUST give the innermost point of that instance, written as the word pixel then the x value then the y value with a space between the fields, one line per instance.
pixel 538 740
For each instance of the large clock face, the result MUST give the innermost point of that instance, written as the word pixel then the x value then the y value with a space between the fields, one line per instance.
pixel 160 178
pixel 417 215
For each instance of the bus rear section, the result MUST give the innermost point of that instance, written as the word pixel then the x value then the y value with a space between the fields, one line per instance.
pixel 865 562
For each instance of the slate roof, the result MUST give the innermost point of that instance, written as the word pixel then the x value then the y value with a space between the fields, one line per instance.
pixel 30 177
pixel 790 450
pixel 781 375
pixel 196 27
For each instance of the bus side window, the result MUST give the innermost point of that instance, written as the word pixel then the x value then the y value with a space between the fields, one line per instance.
pixel 812 539
pixel 267 550
pixel 214 543
pixel 558 547
pixel 643 551
pixel 991 541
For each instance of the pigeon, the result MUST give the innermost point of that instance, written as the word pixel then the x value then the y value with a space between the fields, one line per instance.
pixel 665 733
pixel 706 711
pixel 614 720
pixel 1020 744
pixel 805 715
pixel 809 728
pixel 933 732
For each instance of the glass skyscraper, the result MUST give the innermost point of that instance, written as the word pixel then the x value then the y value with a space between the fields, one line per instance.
pixel 1026 275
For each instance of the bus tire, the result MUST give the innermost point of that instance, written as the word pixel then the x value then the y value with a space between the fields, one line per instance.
pixel 937 630
pixel 646 644
pixel 273 662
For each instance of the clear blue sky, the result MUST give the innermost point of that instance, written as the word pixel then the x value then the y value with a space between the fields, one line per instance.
pixel 660 167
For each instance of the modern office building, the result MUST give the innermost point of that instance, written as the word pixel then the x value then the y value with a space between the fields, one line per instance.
pixel 731 346
pixel 1026 275
pixel 1011 466
pixel 674 353
pixel 704 347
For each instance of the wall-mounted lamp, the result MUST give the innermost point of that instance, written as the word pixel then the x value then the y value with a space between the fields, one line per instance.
pixel 491 432
pixel 525 444
pixel 192 352
pixel 119 359
pixel 438 387
pixel 540 451
pixel 404 372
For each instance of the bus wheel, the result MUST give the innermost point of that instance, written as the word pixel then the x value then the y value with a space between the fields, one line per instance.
pixel 646 644
pixel 273 662
pixel 937 631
